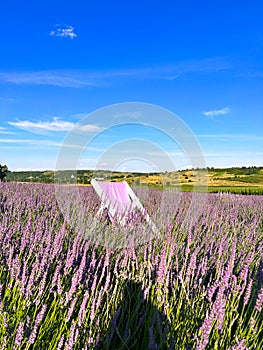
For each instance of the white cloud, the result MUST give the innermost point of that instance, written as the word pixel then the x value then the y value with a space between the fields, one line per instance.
pixel 227 137
pixel 4 131
pixel 54 125
pixel 216 112
pixel 88 128
pixel 83 78
pixel 61 79
pixel 63 31
pixel 30 169
pixel 30 142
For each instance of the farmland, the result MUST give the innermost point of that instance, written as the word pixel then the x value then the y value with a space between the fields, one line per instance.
pixel 245 180
pixel 197 286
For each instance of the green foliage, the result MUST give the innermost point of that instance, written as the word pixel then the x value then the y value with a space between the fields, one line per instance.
pixel 3 172
pixel 245 180
pixel 237 190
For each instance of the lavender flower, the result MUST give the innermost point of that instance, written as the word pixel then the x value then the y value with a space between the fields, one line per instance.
pixel 162 268
pixel 71 309
pixel 83 310
pixel 191 267
pixel 39 318
pixel 56 275
pixel 240 345
pixel 71 340
pixel 19 334
pixel 259 301
pixel 92 309
pixel 205 331
pixel 248 291
pixel 246 266
pixel 52 264
pixel 61 342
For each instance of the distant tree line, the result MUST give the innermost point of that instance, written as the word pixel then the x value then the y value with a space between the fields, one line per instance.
pixel 3 172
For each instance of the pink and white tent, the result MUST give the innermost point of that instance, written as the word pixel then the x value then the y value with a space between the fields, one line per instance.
pixel 120 202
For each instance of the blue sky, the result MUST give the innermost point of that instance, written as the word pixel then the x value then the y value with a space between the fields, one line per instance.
pixel 62 60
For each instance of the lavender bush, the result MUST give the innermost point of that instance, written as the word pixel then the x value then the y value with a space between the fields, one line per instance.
pixel 196 287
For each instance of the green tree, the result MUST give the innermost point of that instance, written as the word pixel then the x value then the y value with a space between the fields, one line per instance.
pixel 3 172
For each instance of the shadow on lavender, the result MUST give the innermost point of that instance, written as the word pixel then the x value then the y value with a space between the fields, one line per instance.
pixel 137 323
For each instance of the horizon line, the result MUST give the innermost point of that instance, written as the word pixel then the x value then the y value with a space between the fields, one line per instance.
pixel 135 171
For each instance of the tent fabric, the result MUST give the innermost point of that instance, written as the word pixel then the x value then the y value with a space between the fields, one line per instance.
pixel 120 202
pixel 117 193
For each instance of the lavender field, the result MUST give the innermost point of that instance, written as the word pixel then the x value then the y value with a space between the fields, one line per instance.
pixel 195 287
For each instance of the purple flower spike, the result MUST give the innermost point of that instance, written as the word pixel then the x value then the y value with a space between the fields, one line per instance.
pixel 19 334
pixel 259 301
